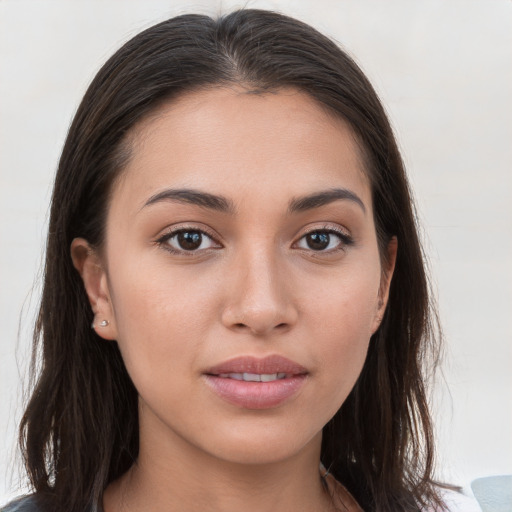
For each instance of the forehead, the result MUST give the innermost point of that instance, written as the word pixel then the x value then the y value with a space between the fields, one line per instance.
pixel 231 141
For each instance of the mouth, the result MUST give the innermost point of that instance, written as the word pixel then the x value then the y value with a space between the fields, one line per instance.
pixel 255 377
pixel 253 383
pixel 252 368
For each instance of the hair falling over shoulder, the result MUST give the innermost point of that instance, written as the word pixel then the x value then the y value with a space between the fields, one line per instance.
pixel 80 428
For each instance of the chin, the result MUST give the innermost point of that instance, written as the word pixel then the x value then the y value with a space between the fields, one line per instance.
pixel 263 445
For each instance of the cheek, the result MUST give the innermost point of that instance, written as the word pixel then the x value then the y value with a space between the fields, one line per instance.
pixel 161 317
pixel 343 318
pixel 346 303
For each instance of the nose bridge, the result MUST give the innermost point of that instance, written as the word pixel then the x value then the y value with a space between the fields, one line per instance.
pixel 259 299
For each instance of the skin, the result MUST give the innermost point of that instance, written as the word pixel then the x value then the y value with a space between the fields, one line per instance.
pixel 254 288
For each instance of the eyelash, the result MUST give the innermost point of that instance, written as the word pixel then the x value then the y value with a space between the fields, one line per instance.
pixel 163 240
pixel 345 240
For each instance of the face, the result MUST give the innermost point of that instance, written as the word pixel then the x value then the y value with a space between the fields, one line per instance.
pixel 240 275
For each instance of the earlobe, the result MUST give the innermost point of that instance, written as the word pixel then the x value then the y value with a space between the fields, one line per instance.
pixel 385 283
pixel 88 264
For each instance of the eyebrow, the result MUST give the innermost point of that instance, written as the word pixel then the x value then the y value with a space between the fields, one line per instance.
pixel 224 205
pixel 318 199
pixel 196 197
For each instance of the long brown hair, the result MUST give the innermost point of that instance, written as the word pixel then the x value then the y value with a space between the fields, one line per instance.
pixel 80 428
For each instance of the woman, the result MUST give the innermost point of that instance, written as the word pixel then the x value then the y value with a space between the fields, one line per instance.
pixel 232 218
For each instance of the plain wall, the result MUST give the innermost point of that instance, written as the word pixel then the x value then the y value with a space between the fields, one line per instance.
pixel 443 69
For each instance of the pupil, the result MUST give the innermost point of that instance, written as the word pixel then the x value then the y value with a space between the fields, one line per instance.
pixel 189 240
pixel 318 241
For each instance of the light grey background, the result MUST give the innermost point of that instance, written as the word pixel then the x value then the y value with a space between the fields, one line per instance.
pixel 444 71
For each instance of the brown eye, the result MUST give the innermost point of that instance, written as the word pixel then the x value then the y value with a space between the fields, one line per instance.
pixel 325 240
pixel 189 240
pixel 318 241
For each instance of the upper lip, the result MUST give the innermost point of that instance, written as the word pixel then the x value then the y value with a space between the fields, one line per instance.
pixel 250 364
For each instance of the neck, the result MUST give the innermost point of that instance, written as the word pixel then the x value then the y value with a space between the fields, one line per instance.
pixel 175 476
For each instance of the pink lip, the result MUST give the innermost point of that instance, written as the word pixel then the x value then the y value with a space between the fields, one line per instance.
pixel 250 364
pixel 256 395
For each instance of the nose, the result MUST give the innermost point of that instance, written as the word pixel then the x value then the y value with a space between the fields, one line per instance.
pixel 259 298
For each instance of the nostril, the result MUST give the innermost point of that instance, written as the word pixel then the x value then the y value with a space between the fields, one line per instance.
pixel 242 326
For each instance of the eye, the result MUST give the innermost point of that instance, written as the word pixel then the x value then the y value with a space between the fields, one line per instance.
pixel 324 240
pixel 187 240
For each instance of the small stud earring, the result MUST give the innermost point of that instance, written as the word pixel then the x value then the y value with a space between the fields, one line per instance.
pixel 103 323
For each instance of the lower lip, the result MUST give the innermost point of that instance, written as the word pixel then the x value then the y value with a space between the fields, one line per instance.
pixel 255 395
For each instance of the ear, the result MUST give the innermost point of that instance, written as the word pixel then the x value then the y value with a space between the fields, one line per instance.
pixel 88 263
pixel 385 281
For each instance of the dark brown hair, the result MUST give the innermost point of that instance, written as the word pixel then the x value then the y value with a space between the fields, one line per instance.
pixel 80 428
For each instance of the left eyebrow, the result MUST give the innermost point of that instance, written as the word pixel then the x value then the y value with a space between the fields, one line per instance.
pixel 318 199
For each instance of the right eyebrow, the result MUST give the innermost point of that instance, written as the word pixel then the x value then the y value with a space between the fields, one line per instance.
pixel 192 196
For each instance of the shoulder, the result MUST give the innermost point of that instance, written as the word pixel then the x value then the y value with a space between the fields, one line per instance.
pixel 23 504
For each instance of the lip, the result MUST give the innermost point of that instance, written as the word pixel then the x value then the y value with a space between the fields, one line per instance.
pixel 250 364
pixel 256 395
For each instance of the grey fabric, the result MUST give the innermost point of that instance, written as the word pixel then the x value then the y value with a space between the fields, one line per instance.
pixel 494 493
pixel 29 504
pixel 24 504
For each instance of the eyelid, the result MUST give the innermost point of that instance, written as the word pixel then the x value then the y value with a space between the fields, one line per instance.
pixel 327 227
